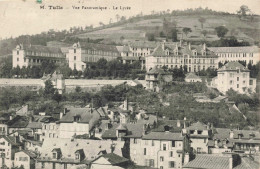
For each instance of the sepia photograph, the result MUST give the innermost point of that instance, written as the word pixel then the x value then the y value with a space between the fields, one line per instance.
pixel 129 84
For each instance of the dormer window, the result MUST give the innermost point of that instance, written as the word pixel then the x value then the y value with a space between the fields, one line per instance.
pixel 17 52
pixel 56 153
pixel 199 132
pixel 79 155
pixel 76 118
pixel 191 131
pixel 239 136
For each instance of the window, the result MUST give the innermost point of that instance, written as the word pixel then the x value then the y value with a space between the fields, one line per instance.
pixel 231 82
pixel 164 147
pixel 191 131
pixel 205 140
pixel 17 59
pixel 152 142
pixel 17 52
pixel 171 164
pixel 250 82
pixel 161 167
pixel 75 57
pixel 198 150
pixel 144 151
pixel 161 158
pixel 237 78
pixel 171 153
pixel 237 85
pixel 135 141
pixel 77 156
pixel 199 132
pixel 75 50
pixel 54 155
pixel 173 143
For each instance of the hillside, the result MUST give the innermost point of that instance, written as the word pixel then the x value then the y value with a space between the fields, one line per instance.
pixel 243 29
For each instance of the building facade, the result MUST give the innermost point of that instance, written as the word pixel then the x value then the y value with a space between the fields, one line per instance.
pixel 248 54
pixel 182 55
pixel 159 150
pixel 234 75
pixel 34 55
pixel 81 54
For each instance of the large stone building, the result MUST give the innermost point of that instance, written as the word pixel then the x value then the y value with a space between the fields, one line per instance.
pixel 34 55
pixel 176 55
pixel 248 54
pixel 80 54
pixel 234 75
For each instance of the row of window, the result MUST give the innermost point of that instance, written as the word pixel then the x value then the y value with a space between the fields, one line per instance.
pixel 235 55
pixel 208 61
pixel 150 163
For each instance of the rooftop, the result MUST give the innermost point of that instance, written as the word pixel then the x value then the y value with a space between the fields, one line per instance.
pixel 163 136
pixel 233 66
pixel 192 76
pixel 241 49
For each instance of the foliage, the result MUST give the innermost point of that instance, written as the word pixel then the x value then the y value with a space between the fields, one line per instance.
pixel 186 30
pixel 150 36
pixel 227 42
pixel 221 31
pixel 48 89
pixel 202 21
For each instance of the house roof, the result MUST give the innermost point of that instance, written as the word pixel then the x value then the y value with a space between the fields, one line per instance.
pixel 211 161
pixel 197 126
pixel 124 48
pixel 43 49
pixel 114 159
pixel 192 76
pixel 221 133
pixel 233 66
pixel 208 162
pixel 132 130
pixel 163 136
pixel 143 44
pixel 241 49
pixel 18 122
pixel 68 147
pixel 30 153
pixel 85 114
pixel 157 71
pixel 10 139
pixel 99 47
pixel 172 124
pixel 34 125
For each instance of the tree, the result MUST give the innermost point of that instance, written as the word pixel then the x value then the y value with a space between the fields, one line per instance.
pixel 221 31
pixel 150 36
pixel 48 89
pixel 102 63
pixel 174 33
pixel 57 97
pixel 242 12
pixel 202 21
pixel 186 31
pixel 204 33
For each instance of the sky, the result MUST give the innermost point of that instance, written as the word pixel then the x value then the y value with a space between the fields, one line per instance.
pixel 24 17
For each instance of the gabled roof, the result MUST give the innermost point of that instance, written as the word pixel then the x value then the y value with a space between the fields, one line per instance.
pixel 192 76
pixel 163 136
pixel 30 153
pixel 99 47
pixel 159 51
pixel 233 66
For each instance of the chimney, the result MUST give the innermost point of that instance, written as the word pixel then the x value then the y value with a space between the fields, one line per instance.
pixel 186 158
pixel 163 45
pixel 208 126
pixel 112 147
pixel 230 162
pixel 231 134
pixel 204 46
pixel 10 117
pixel 125 104
pixel 216 142
pixel 189 46
pixel 178 123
